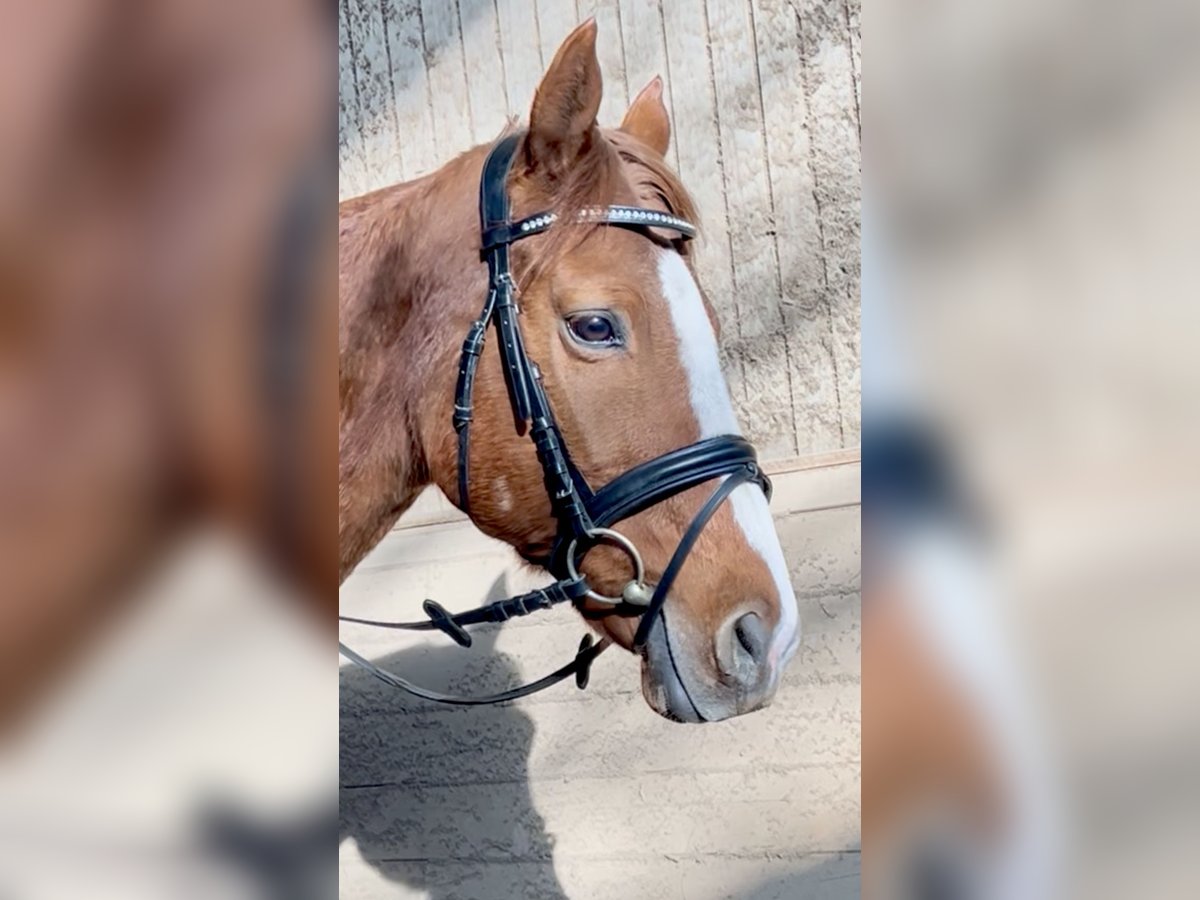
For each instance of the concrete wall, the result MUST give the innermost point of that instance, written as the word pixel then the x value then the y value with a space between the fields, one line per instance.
pixel 764 97
pixel 573 794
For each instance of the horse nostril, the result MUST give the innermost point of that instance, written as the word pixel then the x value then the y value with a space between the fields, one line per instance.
pixel 751 634
pixel 742 648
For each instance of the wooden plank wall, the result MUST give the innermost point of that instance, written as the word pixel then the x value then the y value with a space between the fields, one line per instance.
pixel 764 97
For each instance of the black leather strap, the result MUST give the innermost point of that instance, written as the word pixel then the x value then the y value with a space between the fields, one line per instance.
pixel 526 395
pixel 580 667
pixel 500 611
pixel 671 572
pixel 659 479
pixel 672 473
pixel 464 393
pixel 493 182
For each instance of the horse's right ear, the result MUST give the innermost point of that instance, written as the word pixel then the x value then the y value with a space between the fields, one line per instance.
pixel 562 122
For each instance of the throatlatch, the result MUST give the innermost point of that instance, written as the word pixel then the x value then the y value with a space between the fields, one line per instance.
pixel 585 517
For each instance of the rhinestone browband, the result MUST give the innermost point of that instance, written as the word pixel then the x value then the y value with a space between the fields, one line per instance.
pixel 611 215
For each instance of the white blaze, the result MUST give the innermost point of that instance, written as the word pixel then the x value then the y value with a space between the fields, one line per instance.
pixel 714 413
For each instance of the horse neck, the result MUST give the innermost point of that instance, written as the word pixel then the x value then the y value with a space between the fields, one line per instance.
pixel 410 283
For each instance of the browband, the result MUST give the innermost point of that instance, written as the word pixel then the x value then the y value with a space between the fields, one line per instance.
pixel 497 228
pixel 628 216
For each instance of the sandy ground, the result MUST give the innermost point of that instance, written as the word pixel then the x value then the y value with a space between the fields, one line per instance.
pixel 589 794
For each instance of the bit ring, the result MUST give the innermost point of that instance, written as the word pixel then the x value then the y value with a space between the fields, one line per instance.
pixel 616 539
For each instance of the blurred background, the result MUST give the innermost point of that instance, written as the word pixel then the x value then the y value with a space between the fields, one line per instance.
pixel 1030 436
pixel 167 488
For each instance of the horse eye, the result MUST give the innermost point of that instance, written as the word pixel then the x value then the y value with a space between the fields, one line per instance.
pixel 594 328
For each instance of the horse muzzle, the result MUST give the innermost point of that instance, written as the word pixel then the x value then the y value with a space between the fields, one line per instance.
pixel 688 678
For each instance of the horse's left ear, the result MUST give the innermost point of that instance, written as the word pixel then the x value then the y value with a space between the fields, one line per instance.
pixel 562 122
pixel 647 118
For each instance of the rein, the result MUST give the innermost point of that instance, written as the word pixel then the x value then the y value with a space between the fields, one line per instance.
pixel 585 516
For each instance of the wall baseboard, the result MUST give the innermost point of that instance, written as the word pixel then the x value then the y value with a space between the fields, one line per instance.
pixel 802 484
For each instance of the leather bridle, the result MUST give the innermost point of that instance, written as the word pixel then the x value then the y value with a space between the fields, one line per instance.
pixel 585 516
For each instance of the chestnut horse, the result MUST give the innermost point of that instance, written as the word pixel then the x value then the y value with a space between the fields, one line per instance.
pixel 627 346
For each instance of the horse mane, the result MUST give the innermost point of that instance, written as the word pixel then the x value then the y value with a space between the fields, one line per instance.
pixel 652 179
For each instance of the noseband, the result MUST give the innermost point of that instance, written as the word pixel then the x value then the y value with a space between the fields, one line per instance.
pixel 585 517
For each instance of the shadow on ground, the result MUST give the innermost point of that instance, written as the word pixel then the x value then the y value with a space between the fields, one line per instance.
pixel 836 878
pixel 437 798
